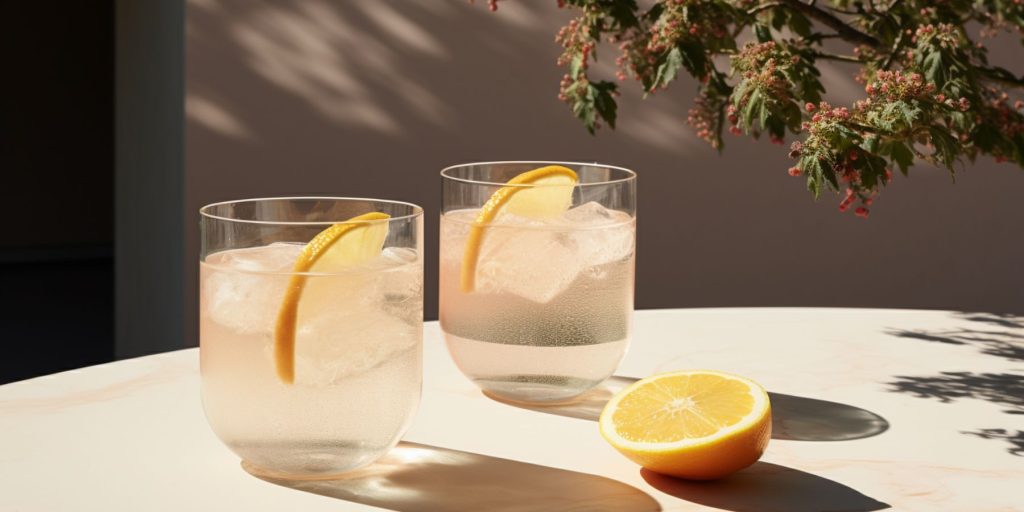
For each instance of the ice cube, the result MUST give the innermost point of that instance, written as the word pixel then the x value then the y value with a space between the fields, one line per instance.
pixel 592 214
pixel 346 343
pixel 398 285
pixel 396 256
pixel 532 263
pixel 276 257
pixel 243 288
pixel 243 301
pixel 538 259
pixel 601 235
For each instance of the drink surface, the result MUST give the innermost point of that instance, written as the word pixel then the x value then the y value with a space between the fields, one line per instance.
pixel 358 358
pixel 550 314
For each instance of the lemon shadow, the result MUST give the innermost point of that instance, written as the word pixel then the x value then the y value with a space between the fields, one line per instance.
pixel 418 477
pixel 766 487
pixel 794 418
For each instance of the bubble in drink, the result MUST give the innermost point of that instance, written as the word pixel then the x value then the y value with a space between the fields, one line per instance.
pixel 550 313
pixel 357 358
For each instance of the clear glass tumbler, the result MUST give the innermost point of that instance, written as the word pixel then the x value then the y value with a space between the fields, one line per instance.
pixel 550 312
pixel 316 370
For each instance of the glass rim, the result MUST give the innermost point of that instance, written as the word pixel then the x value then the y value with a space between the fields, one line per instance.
pixel 630 174
pixel 204 211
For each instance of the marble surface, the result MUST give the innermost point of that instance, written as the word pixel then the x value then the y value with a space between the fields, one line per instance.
pixel 913 410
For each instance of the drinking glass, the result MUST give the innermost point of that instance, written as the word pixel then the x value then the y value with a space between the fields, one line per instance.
pixel 550 313
pixel 357 333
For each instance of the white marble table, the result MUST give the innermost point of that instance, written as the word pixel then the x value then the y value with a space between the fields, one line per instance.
pixel 914 410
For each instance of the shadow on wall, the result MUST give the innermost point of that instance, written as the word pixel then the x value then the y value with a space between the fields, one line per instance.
pixel 374 97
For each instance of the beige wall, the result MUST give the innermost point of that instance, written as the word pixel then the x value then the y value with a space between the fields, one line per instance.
pixel 373 98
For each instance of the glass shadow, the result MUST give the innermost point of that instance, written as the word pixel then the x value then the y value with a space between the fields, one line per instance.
pixel 794 418
pixel 418 477
pixel 766 487
pixel 798 418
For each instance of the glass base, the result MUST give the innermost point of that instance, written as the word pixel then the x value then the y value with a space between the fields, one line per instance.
pixel 293 463
pixel 536 389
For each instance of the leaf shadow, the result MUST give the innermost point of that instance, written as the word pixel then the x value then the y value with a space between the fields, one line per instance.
pixel 419 477
pixel 1016 440
pixel 794 418
pixel 1008 320
pixel 767 487
pixel 1005 389
pixel 1007 342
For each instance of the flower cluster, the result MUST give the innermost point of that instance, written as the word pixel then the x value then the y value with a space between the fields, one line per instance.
pixel 706 115
pixel 576 43
pixel 943 35
pixel 844 164
pixel 895 85
pixel 930 92
pixel 759 63
pixel 1002 18
pixel 578 47
pixel 703 116
pixel 1005 117
pixel 643 49
pixel 773 75
pixel 763 69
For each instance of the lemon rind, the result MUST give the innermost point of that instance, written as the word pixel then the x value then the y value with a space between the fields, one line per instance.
pixel 489 211
pixel 286 323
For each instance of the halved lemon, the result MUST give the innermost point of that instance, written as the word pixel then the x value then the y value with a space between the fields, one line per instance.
pixel 342 245
pixel 699 424
pixel 540 193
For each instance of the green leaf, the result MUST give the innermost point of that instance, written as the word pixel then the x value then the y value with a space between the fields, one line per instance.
pixel 752 107
pixel 830 176
pixel 694 58
pixel 604 101
pixel 986 137
pixel 775 127
pixel 900 154
pixel 763 113
pixel 811 167
pixel 668 69
pixel 935 70
pixel 575 65
pixel 870 144
pixel 799 24
pixel 872 168
pixel 777 18
pixel 946 147
pixel 910 112
pixel 624 13
pixel 763 33
pixel 792 116
pixel 585 111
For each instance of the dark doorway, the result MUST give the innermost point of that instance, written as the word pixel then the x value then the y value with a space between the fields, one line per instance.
pixel 56 193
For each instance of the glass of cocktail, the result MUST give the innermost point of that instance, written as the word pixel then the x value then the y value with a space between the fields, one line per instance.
pixel 536 279
pixel 311 313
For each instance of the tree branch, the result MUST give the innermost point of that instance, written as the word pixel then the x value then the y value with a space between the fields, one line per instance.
pixel 832 56
pixel 764 7
pixel 1000 77
pixel 843 11
pixel 828 19
pixel 896 46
